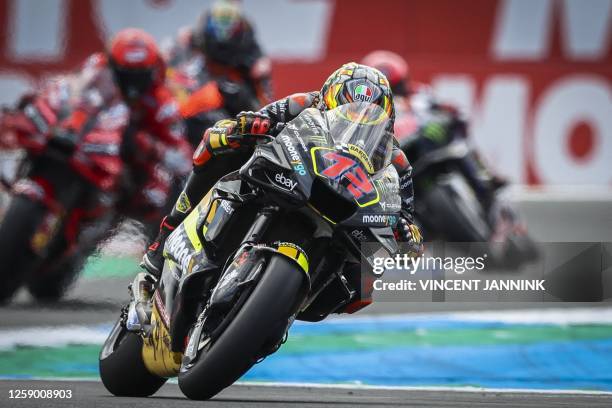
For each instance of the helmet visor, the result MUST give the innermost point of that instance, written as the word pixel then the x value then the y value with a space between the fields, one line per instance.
pixel 132 82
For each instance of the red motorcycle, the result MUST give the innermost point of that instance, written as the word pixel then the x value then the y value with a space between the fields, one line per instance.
pixel 63 198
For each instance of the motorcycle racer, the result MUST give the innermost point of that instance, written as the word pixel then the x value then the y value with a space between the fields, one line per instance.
pixel 128 76
pixel 228 144
pixel 139 72
pixel 277 241
pixel 423 120
pixel 217 69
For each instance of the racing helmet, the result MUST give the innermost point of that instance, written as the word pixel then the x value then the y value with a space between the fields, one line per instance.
pixel 136 62
pixel 226 37
pixel 358 83
pixel 393 66
pixel 359 106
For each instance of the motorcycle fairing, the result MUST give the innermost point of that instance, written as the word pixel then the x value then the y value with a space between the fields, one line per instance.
pixel 295 161
pixel 156 352
pixel 183 243
pixel 189 267
pixel 98 158
pixel 198 235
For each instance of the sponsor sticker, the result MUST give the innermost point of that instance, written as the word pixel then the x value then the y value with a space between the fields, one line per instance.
pixel 182 204
pixel 285 182
pixel 379 219
pixel 359 153
pixel 296 160
pixel 362 93
pixel 359 235
pixel 391 206
pixel 227 207
pixel 179 249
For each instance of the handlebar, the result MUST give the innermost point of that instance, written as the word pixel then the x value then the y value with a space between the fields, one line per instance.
pixel 254 138
pixel 251 138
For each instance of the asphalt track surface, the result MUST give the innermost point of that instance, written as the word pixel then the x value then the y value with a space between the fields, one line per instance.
pixel 98 300
pixel 93 394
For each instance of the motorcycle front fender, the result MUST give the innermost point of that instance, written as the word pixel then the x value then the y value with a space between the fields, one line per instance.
pixel 247 265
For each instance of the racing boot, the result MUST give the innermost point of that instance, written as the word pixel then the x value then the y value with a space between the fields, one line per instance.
pixel 153 259
pixel 137 317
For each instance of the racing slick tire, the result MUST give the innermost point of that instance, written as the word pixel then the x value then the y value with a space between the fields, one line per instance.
pixel 17 229
pixel 123 371
pixel 269 305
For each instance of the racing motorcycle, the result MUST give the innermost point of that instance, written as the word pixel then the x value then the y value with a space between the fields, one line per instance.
pixel 61 202
pixel 268 244
pixel 449 209
pixel 204 100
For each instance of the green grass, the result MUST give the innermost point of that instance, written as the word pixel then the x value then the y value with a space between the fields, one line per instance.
pixel 448 337
pixel 111 267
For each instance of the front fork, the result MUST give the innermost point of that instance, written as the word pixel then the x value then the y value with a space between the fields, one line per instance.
pixel 227 295
pixel 260 225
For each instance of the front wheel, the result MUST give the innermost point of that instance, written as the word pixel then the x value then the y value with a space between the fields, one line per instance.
pixel 50 287
pixel 254 327
pixel 122 368
pixel 51 282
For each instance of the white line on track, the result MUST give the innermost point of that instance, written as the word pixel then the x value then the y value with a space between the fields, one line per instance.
pixel 360 387
pixel 421 388
pixel 55 336
pixel 556 316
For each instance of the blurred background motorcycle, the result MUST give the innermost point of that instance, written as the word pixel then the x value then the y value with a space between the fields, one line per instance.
pixel 69 189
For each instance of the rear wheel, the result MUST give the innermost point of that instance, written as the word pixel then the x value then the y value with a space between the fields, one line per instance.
pixel 253 329
pixel 122 369
pixel 17 260
pixel 454 218
pixel 519 249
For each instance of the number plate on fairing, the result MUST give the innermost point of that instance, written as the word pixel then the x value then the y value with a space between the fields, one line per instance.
pixel 345 170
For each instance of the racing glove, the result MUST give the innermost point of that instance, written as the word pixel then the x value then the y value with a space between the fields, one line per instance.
pixel 230 134
pixel 409 233
pixel 252 128
pixel 255 123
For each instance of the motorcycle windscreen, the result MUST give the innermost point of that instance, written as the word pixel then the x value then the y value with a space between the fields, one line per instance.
pixel 362 128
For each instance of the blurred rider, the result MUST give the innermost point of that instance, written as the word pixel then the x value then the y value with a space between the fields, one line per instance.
pixel 217 69
pixel 129 75
pixel 424 121
pixel 224 148
pixel 156 132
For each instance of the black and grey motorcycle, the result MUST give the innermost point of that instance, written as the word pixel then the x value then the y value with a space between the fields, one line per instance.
pixel 273 242
pixel 449 208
